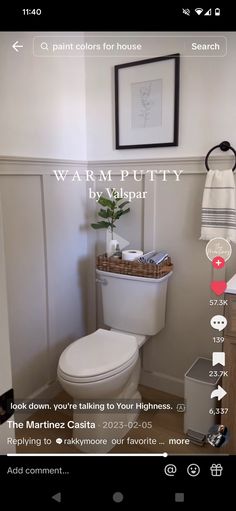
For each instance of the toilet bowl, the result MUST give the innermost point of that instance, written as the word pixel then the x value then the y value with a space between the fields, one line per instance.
pixel 102 366
pixel 99 365
pixel 105 365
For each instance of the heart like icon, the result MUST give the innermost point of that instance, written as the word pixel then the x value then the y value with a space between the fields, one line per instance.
pixel 218 286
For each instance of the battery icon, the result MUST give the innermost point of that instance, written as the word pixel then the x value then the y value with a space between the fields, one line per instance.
pixel 217 12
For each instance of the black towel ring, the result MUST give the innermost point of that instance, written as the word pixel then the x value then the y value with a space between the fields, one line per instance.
pixel 224 146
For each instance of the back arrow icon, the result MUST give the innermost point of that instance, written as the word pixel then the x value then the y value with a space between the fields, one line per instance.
pixel 16 45
pixel 57 497
pixel 219 393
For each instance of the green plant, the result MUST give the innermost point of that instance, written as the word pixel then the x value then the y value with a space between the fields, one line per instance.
pixel 114 210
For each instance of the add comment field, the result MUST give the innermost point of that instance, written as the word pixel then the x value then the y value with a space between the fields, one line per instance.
pixel 130 45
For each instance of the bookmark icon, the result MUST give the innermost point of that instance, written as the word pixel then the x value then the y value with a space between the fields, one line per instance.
pixel 218 357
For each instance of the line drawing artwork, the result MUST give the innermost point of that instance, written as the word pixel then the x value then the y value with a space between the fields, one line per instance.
pixel 147 102
pixel 146 109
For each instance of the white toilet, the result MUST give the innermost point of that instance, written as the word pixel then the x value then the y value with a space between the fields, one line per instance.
pixel 106 364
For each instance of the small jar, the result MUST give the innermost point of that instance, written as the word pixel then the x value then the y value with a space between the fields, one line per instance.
pixel 117 254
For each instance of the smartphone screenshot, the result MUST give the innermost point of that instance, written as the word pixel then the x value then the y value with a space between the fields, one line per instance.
pixel 117 258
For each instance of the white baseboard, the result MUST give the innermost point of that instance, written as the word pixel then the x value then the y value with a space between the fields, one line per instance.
pixel 48 391
pixel 45 393
pixel 163 382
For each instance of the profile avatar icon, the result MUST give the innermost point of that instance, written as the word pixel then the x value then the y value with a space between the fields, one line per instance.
pixel 218 435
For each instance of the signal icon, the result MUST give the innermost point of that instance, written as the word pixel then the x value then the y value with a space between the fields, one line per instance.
pixel 208 13
pixel 199 10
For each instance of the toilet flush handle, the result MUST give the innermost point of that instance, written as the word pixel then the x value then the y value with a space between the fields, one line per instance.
pixel 102 281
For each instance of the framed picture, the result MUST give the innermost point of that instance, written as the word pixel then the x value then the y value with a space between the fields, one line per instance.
pixel 147 103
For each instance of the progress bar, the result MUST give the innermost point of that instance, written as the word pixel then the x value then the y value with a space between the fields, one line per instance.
pixel 162 455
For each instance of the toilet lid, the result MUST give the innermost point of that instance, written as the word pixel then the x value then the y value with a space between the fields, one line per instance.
pixel 97 354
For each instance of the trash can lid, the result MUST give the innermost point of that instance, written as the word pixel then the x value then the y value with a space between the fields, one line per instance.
pixel 200 371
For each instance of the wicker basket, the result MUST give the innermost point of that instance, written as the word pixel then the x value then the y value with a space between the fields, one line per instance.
pixel 148 270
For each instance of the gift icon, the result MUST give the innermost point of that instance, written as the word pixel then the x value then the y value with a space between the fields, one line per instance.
pixel 216 470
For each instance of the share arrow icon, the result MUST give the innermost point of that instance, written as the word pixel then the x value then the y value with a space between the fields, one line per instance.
pixel 219 393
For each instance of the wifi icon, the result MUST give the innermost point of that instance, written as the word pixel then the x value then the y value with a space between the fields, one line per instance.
pixel 199 10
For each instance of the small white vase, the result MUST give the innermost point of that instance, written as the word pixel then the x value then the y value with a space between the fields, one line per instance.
pixel 111 247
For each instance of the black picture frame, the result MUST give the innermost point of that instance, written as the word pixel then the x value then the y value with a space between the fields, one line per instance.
pixel 136 108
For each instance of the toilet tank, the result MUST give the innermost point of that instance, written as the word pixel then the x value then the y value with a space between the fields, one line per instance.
pixel 133 304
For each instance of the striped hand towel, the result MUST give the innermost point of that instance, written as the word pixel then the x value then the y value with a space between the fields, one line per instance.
pixel 159 257
pixel 145 257
pixel 219 206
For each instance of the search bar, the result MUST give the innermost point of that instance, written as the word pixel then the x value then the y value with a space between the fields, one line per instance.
pixel 133 46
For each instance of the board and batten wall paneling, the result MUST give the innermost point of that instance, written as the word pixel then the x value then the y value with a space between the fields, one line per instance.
pixel 170 218
pixel 176 225
pixel 67 263
pixel 45 229
pixel 25 271
pixel 49 246
pixel 5 358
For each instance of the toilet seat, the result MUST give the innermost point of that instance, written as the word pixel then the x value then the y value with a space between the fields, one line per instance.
pixel 97 356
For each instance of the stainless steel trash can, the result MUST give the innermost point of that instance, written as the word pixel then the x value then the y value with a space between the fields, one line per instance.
pixel 198 388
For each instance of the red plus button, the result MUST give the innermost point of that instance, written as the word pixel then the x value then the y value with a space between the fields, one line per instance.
pixel 218 262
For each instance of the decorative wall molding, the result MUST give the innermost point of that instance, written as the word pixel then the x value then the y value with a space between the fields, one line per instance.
pixel 39 166
pixel 189 164
pixel 28 160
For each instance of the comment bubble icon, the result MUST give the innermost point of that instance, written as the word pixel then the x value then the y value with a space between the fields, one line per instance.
pixel 218 322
